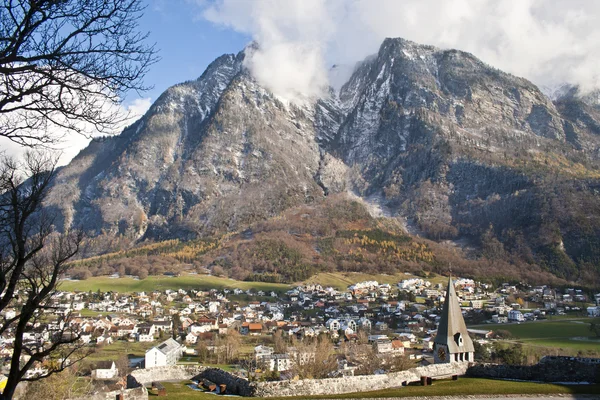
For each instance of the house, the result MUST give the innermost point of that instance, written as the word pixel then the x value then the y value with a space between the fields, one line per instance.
pixel 381 326
pixel 593 311
pixel 364 323
pixel 332 324
pixel 516 315
pixel 255 329
pixel 499 319
pixel 192 337
pixel 277 362
pixel 345 369
pixel 476 304
pixel 397 347
pixel 144 333
pixel 261 351
pixel 166 353
pixel 104 339
pixel 105 370
pixel 164 326
pixel 383 346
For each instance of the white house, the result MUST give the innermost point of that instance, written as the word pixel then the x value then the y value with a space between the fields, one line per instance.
pixel 499 319
pixel 516 315
pixel 593 311
pixel 277 362
pixel 364 323
pixel 333 324
pixel 191 338
pixel 261 352
pixel 166 353
pixel 105 370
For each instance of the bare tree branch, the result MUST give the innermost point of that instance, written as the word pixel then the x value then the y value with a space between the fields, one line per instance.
pixel 63 63
pixel 32 259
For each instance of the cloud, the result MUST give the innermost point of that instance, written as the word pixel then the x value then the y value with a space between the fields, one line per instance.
pixel 548 42
pixel 290 39
pixel 70 145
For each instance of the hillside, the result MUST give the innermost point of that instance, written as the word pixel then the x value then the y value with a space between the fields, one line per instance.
pixel 439 144
pixel 336 242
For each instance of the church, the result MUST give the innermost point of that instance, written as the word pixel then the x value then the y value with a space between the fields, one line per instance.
pixel 452 343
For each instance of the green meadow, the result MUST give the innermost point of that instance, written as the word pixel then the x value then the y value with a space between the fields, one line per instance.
pixel 462 387
pixel 206 282
pixel 187 282
pixel 572 333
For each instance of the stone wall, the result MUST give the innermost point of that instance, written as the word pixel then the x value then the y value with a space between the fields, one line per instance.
pixel 143 377
pixel 235 384
pixel 352 384
pixel 139 393
pixel 561 370
pixel 306 387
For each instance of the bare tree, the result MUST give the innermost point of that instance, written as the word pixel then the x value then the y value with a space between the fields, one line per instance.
pixel 313 359
pixel 401 362
pixel 64 63
pixel 280 344
pixel 32 258
pixel 60 386
pixel 227 347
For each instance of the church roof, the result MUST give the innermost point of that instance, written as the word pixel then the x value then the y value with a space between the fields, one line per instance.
pixel 452 324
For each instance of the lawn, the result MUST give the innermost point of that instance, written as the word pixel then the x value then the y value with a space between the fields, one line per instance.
pixel 206 282
pixel 187 282
pixel 115 350
pixel 90 313
pixel 573 333
pixel 462 387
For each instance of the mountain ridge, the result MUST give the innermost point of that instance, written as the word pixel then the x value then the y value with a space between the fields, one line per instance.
pixel 447 143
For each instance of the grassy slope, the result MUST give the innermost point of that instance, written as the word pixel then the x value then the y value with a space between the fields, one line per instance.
pixel 551 333
pixel 462 387
pixel 338 280
pixel 204 282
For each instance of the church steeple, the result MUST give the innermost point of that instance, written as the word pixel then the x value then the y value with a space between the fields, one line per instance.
pixel 452 342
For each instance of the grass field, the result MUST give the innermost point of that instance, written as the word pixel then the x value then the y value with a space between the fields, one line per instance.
pixel 572 333
pixel 206 282
pixel 187 282
pixel 118 348
pixel 461 387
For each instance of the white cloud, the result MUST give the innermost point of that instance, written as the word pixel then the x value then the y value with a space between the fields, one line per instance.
pixel 290 38
pixel 546 41
pixel 70 145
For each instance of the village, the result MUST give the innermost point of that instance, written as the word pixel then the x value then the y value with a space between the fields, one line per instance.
pixel 372 327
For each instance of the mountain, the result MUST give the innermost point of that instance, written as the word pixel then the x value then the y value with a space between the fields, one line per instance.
pixel 434 140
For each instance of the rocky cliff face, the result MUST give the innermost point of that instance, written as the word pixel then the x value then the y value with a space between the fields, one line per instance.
pixel 448 145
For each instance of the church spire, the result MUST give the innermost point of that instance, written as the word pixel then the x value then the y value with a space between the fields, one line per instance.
pixel 452 336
